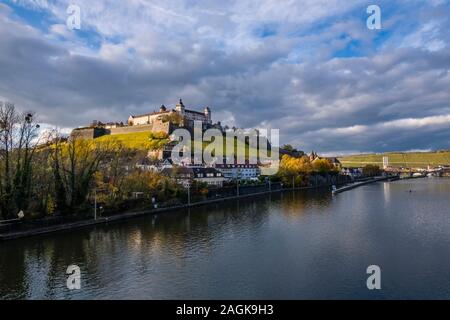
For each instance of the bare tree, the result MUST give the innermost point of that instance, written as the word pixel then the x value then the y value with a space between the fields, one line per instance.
pixel 18 141
pixel 74 163
pixel 8 119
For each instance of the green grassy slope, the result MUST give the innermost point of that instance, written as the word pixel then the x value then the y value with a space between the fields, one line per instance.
pixel 140 141
pixel 399 159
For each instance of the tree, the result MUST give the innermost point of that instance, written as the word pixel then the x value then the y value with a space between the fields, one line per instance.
pixel 322 165
pixel 371 170
pixel 157 140
pixel 74 164
pixel 288 147
pixel 172 117
pixel 18 141
pixel 293 169
pixel 151 184
pixel 111 176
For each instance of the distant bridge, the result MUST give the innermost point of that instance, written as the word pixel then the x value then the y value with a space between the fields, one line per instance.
pixel 439 171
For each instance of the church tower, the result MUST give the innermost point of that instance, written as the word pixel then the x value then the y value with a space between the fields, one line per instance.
pixel 180 108
pixel 207 113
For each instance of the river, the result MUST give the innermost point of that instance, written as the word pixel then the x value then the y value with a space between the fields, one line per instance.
pixel 290 245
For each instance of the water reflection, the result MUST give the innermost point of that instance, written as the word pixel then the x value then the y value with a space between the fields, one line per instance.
pixel 299 244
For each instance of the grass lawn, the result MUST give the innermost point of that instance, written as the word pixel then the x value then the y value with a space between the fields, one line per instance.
pixel 138 140
pixel 141 141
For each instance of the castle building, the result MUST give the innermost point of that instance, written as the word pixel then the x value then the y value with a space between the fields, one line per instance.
pixel 186 116
pixel 164 120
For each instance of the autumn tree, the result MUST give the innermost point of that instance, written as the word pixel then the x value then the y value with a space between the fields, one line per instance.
pixel 151 184
pixel 292 168
pixel 157 140
pixel 371 170
pixel 111 176
pixel 74 164
pixel 172 117
pixel 322 165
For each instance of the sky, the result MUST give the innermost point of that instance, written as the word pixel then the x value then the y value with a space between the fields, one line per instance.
pixel 312 68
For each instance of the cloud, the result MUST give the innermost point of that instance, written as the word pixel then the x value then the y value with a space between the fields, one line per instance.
pixel 310 68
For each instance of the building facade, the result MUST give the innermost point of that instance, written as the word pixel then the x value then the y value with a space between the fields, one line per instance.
pixel 186 175
pixel 186 116
pixel 239 171
pixel 164 120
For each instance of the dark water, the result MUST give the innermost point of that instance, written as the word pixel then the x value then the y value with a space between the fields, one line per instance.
pixel 290 245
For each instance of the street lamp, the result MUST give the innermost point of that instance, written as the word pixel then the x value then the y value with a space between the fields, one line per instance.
pixel 189 193
pixel 95 203
pixel 237 182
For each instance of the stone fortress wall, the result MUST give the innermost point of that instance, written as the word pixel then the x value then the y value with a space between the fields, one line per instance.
pixel 92 133
pixel 131 129
pixel 151 122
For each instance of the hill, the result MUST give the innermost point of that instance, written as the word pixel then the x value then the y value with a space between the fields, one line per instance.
pixel 150 141
pixel 399 159
pixel 138 140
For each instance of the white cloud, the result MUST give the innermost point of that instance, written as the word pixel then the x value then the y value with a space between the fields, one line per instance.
pixel 132 56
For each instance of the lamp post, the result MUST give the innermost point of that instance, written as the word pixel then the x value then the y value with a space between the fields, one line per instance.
pixel 237 183
pixel 95 202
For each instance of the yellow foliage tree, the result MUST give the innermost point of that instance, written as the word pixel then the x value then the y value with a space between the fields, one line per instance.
pixel 322 165
pixel 294 170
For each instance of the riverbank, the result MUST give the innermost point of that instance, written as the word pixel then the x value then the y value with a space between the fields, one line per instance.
pixel 134 214
pixel 118 217
pixel 362 183
pixel 129 215
pixel 251 249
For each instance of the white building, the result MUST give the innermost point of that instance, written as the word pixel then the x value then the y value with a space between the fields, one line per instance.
pixel 186 175
pixel 352 172
pixel 239 171
pixel 187 116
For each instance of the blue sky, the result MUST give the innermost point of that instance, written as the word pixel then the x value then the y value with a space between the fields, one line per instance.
pixel 310 68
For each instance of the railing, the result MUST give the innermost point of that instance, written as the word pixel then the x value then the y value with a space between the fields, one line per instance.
pixel 132 205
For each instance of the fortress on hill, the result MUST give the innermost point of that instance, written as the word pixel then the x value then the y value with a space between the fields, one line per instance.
pixel 165 120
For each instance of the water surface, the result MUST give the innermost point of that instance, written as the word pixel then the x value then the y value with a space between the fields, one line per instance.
pixel 291 245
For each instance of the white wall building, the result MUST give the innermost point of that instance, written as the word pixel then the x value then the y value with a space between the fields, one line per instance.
pixel 186 115
pixel 239 171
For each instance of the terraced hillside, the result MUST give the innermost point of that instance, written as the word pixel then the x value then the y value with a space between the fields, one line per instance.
pixel 399 159
pixel 148 141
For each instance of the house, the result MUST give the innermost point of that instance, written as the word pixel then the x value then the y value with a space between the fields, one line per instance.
pixel 352 172
pixel 333 160
pixel 239 171
pixel 147 164
pixel 186 175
